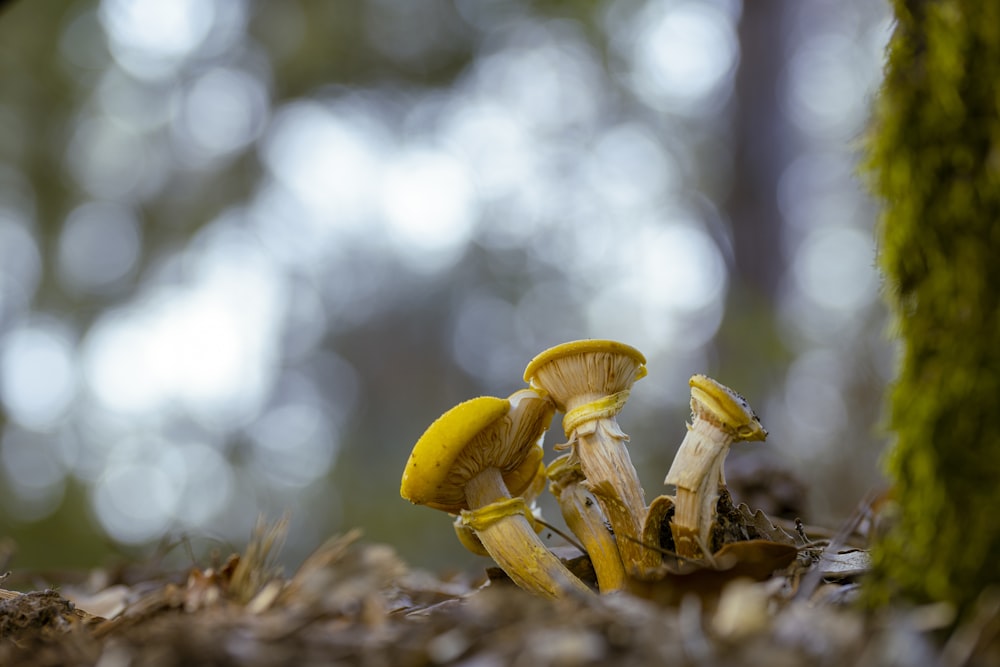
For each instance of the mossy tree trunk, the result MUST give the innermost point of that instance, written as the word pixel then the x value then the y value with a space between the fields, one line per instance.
pixel 935 161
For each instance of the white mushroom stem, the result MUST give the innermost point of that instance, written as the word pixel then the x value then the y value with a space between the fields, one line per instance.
pixel 504 530
pixel 697 472
pixel 599 444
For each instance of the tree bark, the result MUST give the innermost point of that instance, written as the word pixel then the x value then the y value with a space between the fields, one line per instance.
pixel 934 157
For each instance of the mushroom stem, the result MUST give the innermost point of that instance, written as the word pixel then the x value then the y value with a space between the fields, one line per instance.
pixel 584 517
pixel 589 380
pixel 697 471
pixel 599 445
pixel 504 530
pixel 719 417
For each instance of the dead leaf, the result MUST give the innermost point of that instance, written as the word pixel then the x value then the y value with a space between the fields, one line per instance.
pixel 845 565
pixel 753 559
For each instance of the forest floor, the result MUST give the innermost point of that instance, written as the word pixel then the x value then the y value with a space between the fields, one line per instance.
pixel 357 603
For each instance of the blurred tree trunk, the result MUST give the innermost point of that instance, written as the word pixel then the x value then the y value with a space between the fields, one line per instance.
pixel 935 161
pixel 748 340
pixel 760 156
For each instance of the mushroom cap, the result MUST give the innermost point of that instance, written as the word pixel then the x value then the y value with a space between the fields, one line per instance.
pixel 591 366
pixel 720 405
pixel 502 433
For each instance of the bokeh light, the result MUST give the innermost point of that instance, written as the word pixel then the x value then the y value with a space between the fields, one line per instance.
pixel 152 39
pixel 38 375
pixel 204 346
pixel 20 265
pixel 329 161
pixel 100 246
pixel 223 111
pixel 429 206
pixel 836 268
pixel 31 473
pixel 681 53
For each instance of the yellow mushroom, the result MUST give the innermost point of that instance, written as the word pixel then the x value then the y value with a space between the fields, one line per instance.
pixel 583 516
pixel 475 460
pixel 590 380
pixel 719 417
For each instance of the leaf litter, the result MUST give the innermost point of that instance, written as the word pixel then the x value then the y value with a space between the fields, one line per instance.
pixel 359 603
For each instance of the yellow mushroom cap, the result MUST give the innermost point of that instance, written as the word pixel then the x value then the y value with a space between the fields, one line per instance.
pixel 722 406
pixel 587 366
pixel 586 346
pixel 482 432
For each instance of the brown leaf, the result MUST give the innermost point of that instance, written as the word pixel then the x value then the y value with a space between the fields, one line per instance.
pixel 747 545
pixel 752 559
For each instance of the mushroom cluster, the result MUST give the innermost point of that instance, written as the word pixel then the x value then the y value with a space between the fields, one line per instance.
pixel 482 461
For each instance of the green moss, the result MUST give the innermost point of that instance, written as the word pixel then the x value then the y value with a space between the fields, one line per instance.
pixel 934 159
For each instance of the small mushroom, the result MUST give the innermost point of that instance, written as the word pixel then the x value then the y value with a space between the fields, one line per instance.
pixel 583 516
pixel 476 460
pixel 719 417
pixel 589 380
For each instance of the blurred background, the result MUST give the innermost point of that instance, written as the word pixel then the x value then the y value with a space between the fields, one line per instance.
pixel 250 249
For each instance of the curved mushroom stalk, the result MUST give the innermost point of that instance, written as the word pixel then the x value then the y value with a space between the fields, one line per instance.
pixel 720 417
pixel 583 516
pixel 599 446
pixel 505 532
pixel 589 381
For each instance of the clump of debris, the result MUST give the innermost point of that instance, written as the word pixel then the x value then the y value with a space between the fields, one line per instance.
pixel 353 602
